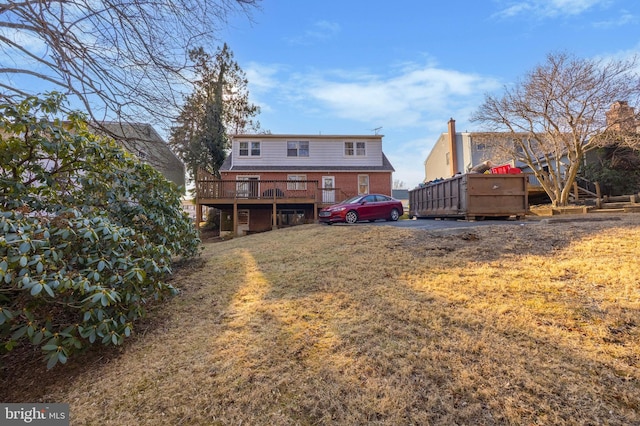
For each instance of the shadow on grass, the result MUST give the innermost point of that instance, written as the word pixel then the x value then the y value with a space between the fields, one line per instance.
pixel 396 352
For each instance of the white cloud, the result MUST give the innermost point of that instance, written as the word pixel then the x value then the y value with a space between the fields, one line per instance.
pixel 323 30
pixel 409 97
pixel 403 100
pixel 319 31
pixel 547 8
pixel 400 100
pixel 622 19
pixel 27 41
pixel 630 55
pixel 262 77
pixel 262 81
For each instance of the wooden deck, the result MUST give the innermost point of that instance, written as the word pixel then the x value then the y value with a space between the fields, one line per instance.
pixel 243 194
pixel 258 191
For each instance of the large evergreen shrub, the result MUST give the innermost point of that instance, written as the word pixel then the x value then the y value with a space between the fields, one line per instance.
pixel 87 233
pixel 616 169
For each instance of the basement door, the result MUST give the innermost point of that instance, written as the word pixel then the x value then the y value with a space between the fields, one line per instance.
pixel 243 221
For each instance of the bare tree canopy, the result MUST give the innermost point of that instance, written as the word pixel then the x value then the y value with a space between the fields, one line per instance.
pixel 119 58
pixel 558 112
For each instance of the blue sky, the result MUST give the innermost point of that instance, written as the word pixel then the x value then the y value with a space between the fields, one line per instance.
pixel 351 66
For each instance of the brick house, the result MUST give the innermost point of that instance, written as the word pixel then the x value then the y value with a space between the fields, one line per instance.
pixel 270 181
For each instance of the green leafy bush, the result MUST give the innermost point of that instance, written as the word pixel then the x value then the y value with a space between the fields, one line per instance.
pixel 616 169
pixel 87 233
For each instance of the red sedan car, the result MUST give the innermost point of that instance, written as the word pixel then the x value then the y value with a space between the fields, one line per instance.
pixel 363 207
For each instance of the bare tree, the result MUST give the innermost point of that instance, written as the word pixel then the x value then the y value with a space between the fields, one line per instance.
pixel 119 58
pixel 398 184
pixel 557 113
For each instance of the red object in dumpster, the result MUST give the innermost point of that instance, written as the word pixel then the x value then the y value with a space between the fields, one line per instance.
pixel 514 171
pixel 501 170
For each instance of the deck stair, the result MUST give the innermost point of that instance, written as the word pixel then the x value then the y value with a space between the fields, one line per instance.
pixel 585 190
pixel 620 204
pixel 588 193
pixel 586 198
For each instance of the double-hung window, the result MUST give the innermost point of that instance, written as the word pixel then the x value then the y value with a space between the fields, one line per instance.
pixel 249 149
pixel 292 185
pixel 297 148
pixel 357 149
pixel 363 184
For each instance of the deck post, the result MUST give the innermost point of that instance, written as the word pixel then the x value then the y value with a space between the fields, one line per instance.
pixel 235 218
pixel 198 213
pixel 274 221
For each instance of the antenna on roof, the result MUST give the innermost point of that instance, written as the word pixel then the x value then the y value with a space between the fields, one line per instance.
pixel 375 131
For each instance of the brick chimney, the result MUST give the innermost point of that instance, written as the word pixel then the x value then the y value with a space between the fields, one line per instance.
pixel 453 151
pixel 621 117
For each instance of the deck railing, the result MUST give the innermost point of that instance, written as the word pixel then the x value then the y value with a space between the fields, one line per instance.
pixel 260 189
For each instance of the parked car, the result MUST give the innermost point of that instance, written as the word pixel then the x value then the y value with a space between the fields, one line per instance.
pixel 363 207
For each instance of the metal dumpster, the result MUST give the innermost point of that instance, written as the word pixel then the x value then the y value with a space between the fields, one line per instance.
pixel 471 196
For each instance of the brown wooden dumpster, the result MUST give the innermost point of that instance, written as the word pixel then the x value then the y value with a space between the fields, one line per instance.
pixel 471 196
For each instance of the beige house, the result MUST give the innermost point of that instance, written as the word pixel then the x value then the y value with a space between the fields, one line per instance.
pixel 457 152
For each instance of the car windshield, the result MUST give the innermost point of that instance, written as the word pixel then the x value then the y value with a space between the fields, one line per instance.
pixel 352 200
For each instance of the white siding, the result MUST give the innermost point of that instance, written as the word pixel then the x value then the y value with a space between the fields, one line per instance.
pixel 468 151
pixel 322 152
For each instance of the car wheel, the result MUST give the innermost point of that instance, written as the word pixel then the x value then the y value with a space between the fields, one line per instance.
pixel 351 217
pixel 395 214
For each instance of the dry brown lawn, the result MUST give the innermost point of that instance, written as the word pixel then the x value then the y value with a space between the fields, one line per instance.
pixel 352 325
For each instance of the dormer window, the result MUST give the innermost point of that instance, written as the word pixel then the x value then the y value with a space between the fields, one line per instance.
pixel 249 149
pixel 357 149
pixel 297 148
